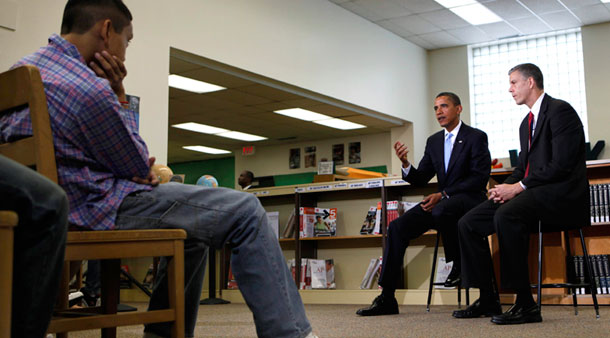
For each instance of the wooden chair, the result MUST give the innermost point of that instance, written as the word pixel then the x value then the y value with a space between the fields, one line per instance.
pixel 8 220
pixel 23 86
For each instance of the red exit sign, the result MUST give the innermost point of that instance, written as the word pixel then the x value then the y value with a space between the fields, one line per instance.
pixel 247 150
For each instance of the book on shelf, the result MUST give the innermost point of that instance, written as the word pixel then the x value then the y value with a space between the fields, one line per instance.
pixel 289 226
pixel 373 271
pixel 307 218
pixel 377 228
pixel 273 219
pixel 305 278
pixel 599 199
pixel 322 273
pixel 369 222
pixel 599 269
pixel 231 282
pixel 325 222
pixel 442 272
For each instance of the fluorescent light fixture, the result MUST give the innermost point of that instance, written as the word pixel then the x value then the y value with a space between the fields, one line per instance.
pixel 302 114
pixel 455 3
pixel 207 150
pixel 476 14
pixel 340 124
pixel 606 1
pixel 200 128
pixel 191 85
pixel 241 136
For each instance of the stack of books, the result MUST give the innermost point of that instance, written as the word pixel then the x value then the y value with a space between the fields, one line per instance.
pixel 599 266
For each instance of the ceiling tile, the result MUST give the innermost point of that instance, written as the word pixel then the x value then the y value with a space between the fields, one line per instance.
pixel 383 9
pixel 508 9
pixel 498 30
pixel 361 11
pixel 441 39
pixel 339 1
pixel 416 24
pixel 470 34
pixel 445 19
pixel 572 4
pixel 530 25
pixel 420 6
pixel 592 14
pixel 561 20
pixel 270 93
pixel 543 6
pixel 395 28
pixel 237 96
pixel 421 42
pixel 177 66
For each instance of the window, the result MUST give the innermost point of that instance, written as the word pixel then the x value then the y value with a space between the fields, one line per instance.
pixel 493 110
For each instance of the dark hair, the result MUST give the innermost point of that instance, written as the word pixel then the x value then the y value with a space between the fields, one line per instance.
pixel 452 97
pixel 249 174
pixel 529 70
pixel 81 15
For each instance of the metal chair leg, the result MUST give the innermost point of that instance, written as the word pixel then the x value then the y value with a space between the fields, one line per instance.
pixel 539 265
pixel 431 284
pixel 590 273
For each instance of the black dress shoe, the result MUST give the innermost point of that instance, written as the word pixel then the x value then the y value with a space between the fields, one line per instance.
pixel 477 310
pixel 518 314
pixel 381 306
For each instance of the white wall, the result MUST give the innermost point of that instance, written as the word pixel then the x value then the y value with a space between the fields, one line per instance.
pixel 313 44
pixel 596 49
pixel 273 160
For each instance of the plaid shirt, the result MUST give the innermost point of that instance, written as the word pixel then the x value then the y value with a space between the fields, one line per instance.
pixel 97 146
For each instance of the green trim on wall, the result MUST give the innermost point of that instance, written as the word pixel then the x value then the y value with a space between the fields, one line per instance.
pixel 223 169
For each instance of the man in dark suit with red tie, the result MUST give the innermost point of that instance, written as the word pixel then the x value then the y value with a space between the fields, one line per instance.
pixel 459 157
pixel 549 184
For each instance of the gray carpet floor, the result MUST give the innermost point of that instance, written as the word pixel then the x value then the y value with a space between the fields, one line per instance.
pixel 235 320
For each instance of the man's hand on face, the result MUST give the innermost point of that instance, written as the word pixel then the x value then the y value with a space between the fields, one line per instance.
pixel 111 68
pixel 402 151
pixel 430 201
pixel 151 179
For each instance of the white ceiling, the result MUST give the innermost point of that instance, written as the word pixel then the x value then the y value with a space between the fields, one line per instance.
pixel 247 106
pixel 430 25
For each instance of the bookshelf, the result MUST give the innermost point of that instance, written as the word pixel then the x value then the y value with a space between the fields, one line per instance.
pixel 352 251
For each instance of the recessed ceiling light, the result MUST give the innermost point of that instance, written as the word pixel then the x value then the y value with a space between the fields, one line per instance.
pixel 241 136
pixel 476 14
pixel 207 150
pixel 200 128
pixel 455 3
pixel 302 114
pixel 191 85
pixel 340 124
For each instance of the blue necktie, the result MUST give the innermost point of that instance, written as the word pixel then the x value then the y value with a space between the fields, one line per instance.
pixel 448 147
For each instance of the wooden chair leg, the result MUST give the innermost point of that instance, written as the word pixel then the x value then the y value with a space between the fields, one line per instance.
pixel 110 276
pixel 175 280
pixel 6 281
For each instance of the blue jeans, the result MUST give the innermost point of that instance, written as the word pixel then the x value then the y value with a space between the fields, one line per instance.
pixel 40 240
pixel 212 217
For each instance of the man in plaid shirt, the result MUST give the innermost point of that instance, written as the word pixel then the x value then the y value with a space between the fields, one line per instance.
pixel 104 167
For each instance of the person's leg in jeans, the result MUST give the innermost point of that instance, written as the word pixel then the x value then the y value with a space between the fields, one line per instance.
pixel 211 217
pixel 39 250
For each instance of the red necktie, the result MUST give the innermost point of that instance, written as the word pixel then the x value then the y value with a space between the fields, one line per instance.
pixel 530 123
